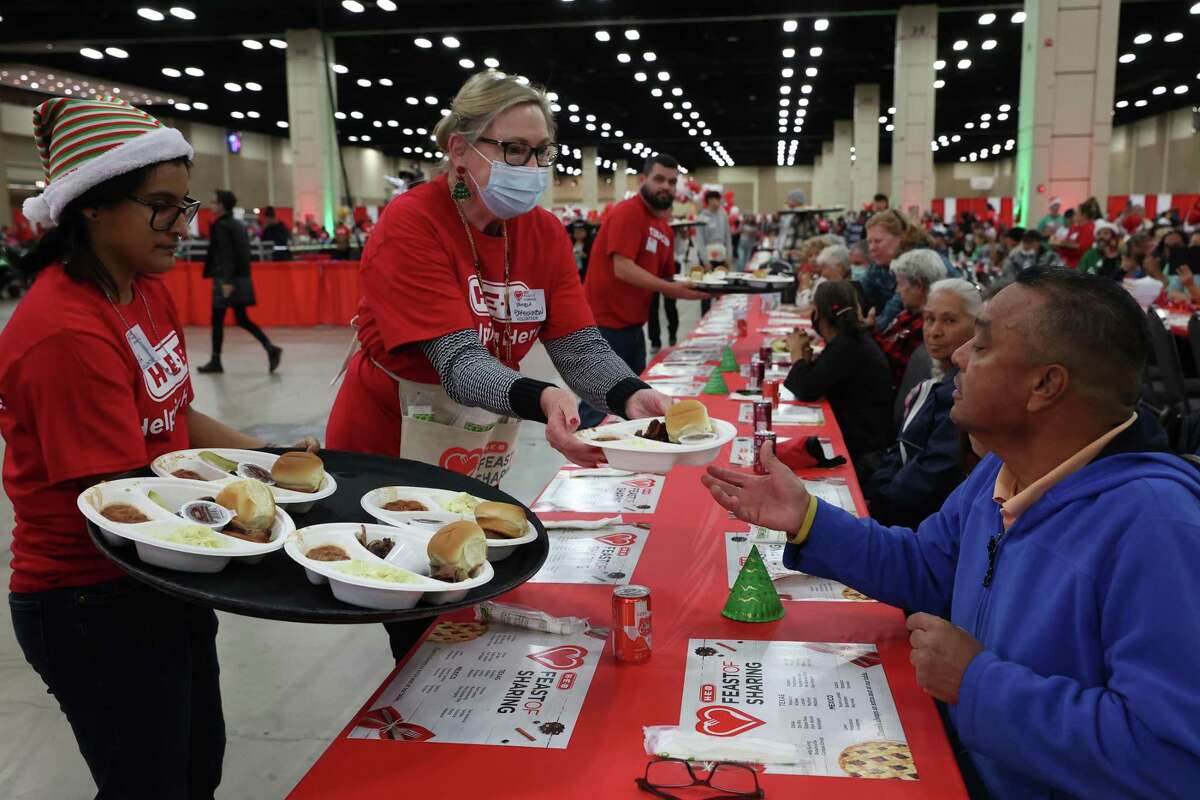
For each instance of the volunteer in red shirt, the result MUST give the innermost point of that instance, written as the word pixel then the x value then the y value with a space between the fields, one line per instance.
pixel 1080 235
pixel 94 381
pixel 632 258
pixel 459 279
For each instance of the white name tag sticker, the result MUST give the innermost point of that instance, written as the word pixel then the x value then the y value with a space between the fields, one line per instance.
pixel 139 343
pixel 651 244
pixel 527 305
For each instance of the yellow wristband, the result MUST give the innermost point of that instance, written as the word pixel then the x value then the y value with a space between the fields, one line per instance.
pixel 801 535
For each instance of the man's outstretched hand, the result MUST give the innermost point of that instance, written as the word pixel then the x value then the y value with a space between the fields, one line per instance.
pixel 777 500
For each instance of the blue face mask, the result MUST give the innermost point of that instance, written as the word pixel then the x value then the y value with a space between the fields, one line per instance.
pixel 512 191
pixel 858 273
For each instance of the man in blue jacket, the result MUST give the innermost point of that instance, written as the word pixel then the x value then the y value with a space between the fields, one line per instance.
pixel 1070 664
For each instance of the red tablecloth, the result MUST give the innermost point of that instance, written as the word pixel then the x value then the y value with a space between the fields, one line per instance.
pixel 684 565
pixel 289 293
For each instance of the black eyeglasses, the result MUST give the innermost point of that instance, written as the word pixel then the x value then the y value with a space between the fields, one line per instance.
pixel 732 780
pixel 516 154
pixel 163 215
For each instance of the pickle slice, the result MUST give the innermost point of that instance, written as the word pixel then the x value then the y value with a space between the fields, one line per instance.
pixel 220 462
pixel 155 497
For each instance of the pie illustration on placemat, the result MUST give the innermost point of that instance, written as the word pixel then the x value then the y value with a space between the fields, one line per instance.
pixel 853 594
pixel 878 760
pixel 457 632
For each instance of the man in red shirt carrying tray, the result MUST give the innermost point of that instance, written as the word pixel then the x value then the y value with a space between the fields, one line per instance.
pixel 632 258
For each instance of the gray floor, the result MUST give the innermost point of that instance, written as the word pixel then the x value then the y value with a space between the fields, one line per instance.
pixel 288 688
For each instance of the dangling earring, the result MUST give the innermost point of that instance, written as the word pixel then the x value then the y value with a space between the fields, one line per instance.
pixel 460 191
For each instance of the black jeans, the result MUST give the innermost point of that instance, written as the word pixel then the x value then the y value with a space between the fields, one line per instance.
pixel 136 674
pixel 652 324
pixel 243 321
pixel 628 343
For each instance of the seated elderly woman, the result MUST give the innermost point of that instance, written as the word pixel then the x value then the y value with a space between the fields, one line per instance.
pixel 928 459
pixel 851 373
pixel 832 264
pixel 915 272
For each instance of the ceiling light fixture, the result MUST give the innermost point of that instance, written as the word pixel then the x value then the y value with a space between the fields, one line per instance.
pixel 1017 18
pixel 960 45
pixel 116 52
pixel 789 52
pixel 964 63
pixel 233 87
pixel 811 72
pixel 632 35
pixel 171 72
pixel 1142 38
pixel 491 63
pixel 252 44
pixel 386 5
pixel 151 14
pixel 939 64
pixel 200 106
pixel 353 6
pixel 939 84
pixel 340 69
pixel 180 12
pixel 92 53
pixel 466 63
pixel 790 25
pixel 195 72
pixel 989 44
pixel 385 81
pixel 602 36
pixel 649 55
pixel 451 42
pixel 254 87
pixel 815 52
pixel 1172 37
pixel 1140 103
pixel 422 43
pixel 821 24
pixel 664 76
pixel 1125 58
pixel 1122 103
pixel 987 19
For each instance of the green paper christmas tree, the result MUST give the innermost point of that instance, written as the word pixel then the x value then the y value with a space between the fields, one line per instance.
pixel 753 597
pixel 716 384
pixel 728 362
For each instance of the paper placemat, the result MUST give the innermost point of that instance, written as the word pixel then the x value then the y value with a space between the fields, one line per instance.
pixel 625 494
pixel 830 698
pixel 607 556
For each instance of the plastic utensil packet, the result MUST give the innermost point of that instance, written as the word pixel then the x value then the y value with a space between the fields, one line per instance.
pixel 532 618
pixel 671 741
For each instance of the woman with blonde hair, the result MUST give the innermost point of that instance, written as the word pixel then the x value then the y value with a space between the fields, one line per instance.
pixel 889 233
pixel 461 276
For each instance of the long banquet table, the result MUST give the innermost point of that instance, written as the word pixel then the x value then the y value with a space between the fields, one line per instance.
pixel 684 564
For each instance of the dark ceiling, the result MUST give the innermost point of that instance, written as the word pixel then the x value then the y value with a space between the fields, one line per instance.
pixel 725 59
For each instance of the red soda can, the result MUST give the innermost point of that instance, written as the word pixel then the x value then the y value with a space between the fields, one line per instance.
pixel 762 415
pixel 743 328
pixel 764 354
pixel 758 372
pixel 770 391
pixel 631 623
pixel 761 438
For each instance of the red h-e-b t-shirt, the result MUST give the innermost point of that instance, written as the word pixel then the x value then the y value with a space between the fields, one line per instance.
pixel 74 403
pixel 419 282
pixel 633 230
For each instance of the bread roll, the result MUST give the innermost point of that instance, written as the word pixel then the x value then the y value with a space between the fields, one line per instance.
pixel 298 471
pixel 457 551
pixel 252 504
pixel 504 520
pixel 687 418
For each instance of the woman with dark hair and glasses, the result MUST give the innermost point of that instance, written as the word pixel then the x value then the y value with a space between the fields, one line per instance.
pixel 93 383
pixel 227 262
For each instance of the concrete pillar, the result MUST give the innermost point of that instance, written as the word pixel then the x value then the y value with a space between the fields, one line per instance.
pixel 590 180
pixel 843 140
pixel 1065 112
pixel 271 144
pixel 864 171
pixel 817 195
pixel 316 180
pixel 620 180
pixel 825 198
pixel 914 98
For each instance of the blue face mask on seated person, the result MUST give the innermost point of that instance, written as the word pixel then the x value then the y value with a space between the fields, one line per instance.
pixel 512 191
pixel 857 273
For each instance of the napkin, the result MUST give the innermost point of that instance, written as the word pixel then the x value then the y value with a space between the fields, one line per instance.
pixel 1144 290
pixel 667 741
pixel 581 524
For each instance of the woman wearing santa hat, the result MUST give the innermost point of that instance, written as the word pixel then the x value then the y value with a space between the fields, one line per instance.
pixel 94 382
